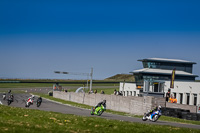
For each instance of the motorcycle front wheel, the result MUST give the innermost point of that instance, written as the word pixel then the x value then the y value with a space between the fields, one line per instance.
pixel 9 102
pixel 144 118
pixel 99 112
pixel 38 104
pixel 155 118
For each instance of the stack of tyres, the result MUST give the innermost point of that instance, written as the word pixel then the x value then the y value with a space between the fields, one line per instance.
pixel 184 115
pixel 194 116
pixel 198 117
pixel 189 117
pixel 172 112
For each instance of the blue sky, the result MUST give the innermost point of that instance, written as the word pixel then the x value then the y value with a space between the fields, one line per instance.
pixel 37 38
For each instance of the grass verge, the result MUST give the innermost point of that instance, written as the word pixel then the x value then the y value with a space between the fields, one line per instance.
pixel 162 118
pixel 13 119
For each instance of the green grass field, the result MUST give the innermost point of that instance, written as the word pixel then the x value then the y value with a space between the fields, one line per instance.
pixel 37 85
pixel 106 90
pixel 21 120
pixel 24 85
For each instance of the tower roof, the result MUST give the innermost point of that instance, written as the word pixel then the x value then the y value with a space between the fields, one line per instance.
pixel 167 60
pixel 161 71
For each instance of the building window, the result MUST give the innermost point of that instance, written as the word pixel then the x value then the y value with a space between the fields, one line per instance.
pixel 146 86
pixel 195 99
pixel 161 87
pixel 188 98
pixel 181 98
pixel 134 93
pixel 127 93
pixel 130 93
pixel 174 95
pixel 155 87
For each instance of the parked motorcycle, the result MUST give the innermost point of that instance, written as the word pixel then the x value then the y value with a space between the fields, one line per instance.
pixel 153 116
pixel 98 111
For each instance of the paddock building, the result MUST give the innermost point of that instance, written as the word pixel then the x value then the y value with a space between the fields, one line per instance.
pixel 155 78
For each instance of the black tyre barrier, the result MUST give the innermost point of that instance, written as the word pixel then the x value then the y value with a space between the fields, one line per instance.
pixel 180 113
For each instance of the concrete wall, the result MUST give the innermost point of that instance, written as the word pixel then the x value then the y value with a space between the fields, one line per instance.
pixel 193 109
pixel 129 104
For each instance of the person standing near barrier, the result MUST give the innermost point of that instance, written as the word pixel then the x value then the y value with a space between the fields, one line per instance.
pixel 115 92
pixel 102 92
pixel 175 100
pixel 168 95
pixel 172 99
pixel 95 92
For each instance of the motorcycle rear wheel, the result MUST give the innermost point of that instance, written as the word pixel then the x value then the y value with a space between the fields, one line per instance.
pixel 9 102
pixel 38 104
pixel 28 104
pixel 92 113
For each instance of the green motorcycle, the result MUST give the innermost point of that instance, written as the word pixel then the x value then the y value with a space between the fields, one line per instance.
pixel 98 111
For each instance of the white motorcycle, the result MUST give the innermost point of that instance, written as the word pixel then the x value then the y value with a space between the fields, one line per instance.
pixel 4 96
pixel 153 116
pixel 29 102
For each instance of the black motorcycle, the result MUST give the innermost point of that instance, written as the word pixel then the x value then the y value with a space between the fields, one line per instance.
pixel 38 103
pixel 9 100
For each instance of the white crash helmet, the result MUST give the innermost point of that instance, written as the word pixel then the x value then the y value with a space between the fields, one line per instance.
pixel 33 96
pixel 159 107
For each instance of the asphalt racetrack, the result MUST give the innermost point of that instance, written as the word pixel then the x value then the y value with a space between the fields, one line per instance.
pixel 48 105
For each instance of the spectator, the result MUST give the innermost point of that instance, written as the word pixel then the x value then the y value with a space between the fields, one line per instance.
pixel 172 99
pixel 168 95
pixel 115 92
pixel 95 92
pixel 90 92
pixel 102 92
pixel 118 93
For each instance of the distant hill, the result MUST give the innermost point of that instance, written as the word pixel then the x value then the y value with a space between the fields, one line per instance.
pixel 121 77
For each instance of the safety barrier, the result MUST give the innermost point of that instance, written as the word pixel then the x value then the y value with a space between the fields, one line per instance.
pixel 129 104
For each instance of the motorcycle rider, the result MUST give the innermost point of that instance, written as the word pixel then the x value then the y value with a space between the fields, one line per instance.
pixel 154 109
pixel 9 91
pixel 31 98
pixel 11 98
pixel 101 103
pixel 39 99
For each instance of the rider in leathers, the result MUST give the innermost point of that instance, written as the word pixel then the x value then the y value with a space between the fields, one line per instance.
pixel 101 103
